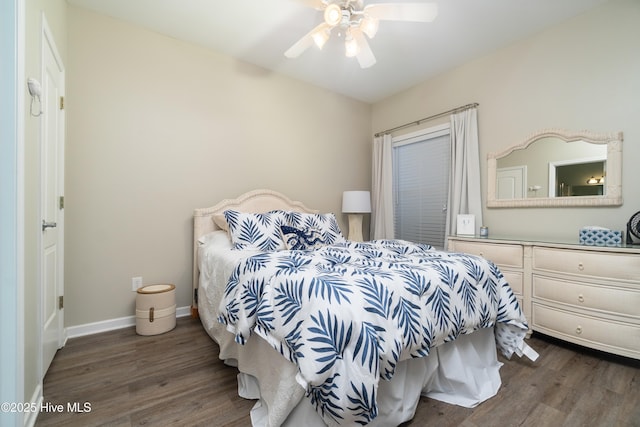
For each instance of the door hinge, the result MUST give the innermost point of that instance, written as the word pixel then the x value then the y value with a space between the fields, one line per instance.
pixel 61 202
pixel 62 102
pixel 60 302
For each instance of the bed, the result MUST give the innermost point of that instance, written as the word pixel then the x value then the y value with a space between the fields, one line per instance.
pixel 320 330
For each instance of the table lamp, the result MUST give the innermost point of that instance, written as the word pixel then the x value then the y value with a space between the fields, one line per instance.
pixel 355 204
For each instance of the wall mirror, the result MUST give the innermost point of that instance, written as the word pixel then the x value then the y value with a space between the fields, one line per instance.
pixel 556 167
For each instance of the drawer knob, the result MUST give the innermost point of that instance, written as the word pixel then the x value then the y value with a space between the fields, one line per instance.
pixel 579 330
pixel 580 266
pixel 581 298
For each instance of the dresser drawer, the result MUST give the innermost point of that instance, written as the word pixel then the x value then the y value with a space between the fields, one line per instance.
pixel 503 255
pixel 588 263
pixel 615 301
pixel 514 279
pixel 615 337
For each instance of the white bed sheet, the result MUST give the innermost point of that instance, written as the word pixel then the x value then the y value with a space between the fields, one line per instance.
pixel 278 388
pixel 464 372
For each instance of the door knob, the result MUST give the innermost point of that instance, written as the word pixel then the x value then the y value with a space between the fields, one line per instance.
pixel 46 225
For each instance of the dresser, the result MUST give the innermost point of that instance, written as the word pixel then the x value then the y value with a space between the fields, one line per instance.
pixel 586 295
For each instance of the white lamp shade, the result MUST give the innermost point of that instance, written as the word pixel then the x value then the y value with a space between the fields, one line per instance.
pixel 356 202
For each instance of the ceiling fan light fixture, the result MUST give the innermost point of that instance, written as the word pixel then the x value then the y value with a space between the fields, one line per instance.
pixel 332 15
pixel 358 23
pixel 369 26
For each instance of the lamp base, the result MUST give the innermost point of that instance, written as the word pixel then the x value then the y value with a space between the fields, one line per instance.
pixel 355 227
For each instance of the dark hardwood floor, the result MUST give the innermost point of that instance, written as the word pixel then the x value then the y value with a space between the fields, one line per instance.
pixel 177 379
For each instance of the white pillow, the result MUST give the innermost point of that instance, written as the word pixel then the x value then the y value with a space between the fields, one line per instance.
pixel 218 238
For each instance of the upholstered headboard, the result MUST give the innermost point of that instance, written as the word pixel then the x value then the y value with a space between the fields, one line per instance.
pixel 256 201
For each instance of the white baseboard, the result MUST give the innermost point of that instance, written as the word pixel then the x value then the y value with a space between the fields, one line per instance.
pixel 112 324
pixel 31 416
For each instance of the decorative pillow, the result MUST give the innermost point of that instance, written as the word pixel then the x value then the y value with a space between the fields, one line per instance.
pixel 256 230
pixel 326 224
pixel 220 221
pixel 297 239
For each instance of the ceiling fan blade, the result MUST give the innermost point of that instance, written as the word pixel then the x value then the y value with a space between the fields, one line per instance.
pixel 365 56
pixel 316 4
pixel 305 42
pixel 416 12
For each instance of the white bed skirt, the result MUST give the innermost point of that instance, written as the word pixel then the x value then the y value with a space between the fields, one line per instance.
pixel 464 372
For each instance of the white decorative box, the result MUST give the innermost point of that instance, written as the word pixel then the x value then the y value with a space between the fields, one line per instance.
pixel 600 237
pixel 466 225
pixel 155 309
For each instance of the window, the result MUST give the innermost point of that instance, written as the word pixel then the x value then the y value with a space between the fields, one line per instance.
pixel 421 166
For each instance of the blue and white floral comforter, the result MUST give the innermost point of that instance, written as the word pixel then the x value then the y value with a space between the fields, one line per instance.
pixel 346 314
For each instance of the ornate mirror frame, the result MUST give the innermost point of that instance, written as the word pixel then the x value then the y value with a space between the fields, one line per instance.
pixel 613 183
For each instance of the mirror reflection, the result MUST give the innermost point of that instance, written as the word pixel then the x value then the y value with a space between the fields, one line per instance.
pixel 552 167
pixel 578 179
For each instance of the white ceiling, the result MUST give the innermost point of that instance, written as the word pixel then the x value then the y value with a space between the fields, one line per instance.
pixel 259 31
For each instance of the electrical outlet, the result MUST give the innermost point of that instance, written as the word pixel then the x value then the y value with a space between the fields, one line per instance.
pixel 136 282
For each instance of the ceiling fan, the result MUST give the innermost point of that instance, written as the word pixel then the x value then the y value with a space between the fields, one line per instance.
pixel 354 20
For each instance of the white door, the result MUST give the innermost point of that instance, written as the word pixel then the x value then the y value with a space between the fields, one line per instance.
pixel 511 182
pixel 52 187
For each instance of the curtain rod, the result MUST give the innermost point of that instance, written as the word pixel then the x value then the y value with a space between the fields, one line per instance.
pixel 435 116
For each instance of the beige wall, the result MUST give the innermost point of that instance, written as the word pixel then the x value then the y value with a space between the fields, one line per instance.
pixel 157 127
pixel 582 74
pixel 54 12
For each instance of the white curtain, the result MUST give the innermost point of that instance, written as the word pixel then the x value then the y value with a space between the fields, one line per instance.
pixel 382 189
pixel 465 194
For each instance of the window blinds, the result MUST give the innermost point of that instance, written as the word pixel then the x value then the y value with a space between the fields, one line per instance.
pixel 421 187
